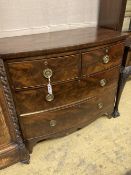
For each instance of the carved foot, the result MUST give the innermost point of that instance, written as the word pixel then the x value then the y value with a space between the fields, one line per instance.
pixel 25 157
pixel 26 161
pixel 115 114
pixel 109 116
pixel 125 72
pixel 30 144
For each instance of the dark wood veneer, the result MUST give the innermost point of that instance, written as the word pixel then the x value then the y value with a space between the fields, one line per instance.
pixel 93 60
pixel 75 57
pixel 28 101
pixel 77 66
pixel 66 118
pixel 55 42
pixel 111 14
pixel 9 155
pixel 12 147
pixel 30 73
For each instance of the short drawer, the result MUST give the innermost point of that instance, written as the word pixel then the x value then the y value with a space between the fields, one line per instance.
pixel 101 59
pixel 47 123
pixel 31 73
pixel 34 100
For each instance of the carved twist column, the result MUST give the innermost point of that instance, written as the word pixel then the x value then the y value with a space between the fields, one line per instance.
pixel 24 154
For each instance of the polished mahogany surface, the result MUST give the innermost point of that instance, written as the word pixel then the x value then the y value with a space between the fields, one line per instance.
pixel 65 94
pixel 111 14
pixel 76 58
pixel 30 73
pixel 39 124
pixel 85 65
pixel 68 40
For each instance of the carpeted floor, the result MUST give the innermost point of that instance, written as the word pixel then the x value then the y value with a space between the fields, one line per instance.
pixel 102 148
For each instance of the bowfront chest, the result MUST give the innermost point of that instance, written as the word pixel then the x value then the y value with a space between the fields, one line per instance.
pixel 56 83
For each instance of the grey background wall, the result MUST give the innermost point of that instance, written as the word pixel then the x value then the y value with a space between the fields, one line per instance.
pixel 21 17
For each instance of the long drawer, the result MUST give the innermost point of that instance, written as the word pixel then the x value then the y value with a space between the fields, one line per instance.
pixel 33 100
pixel 43 124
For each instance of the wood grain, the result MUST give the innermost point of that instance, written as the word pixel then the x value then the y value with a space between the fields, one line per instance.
pixel 55 42
pixel 33 100
pixel 111 14
pixel 9 156
pixel 30 73
pixel 92 61
pixel 5 137
pixel 75 58
pixel 71 117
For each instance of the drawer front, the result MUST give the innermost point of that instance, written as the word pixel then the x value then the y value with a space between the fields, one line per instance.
pixel 28 101
pixel 31 73
pixel 101 59
pixel 47 123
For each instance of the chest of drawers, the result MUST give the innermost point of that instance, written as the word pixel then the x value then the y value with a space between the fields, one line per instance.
pixel 62 81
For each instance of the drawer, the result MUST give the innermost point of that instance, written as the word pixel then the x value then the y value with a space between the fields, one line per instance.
pixel 31 73
pixel 101 59
pixel 47 123
pixel 33 100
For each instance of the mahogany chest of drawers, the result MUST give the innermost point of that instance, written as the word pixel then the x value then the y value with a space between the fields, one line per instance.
pixel 56 83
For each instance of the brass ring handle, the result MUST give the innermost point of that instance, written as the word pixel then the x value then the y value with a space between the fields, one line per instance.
pixel 49 97
pixel 53 123
pixel 47 73
pixel 106 59
pixel 103 82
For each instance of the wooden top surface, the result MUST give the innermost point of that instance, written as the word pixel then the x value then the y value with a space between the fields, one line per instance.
pixel 61 40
